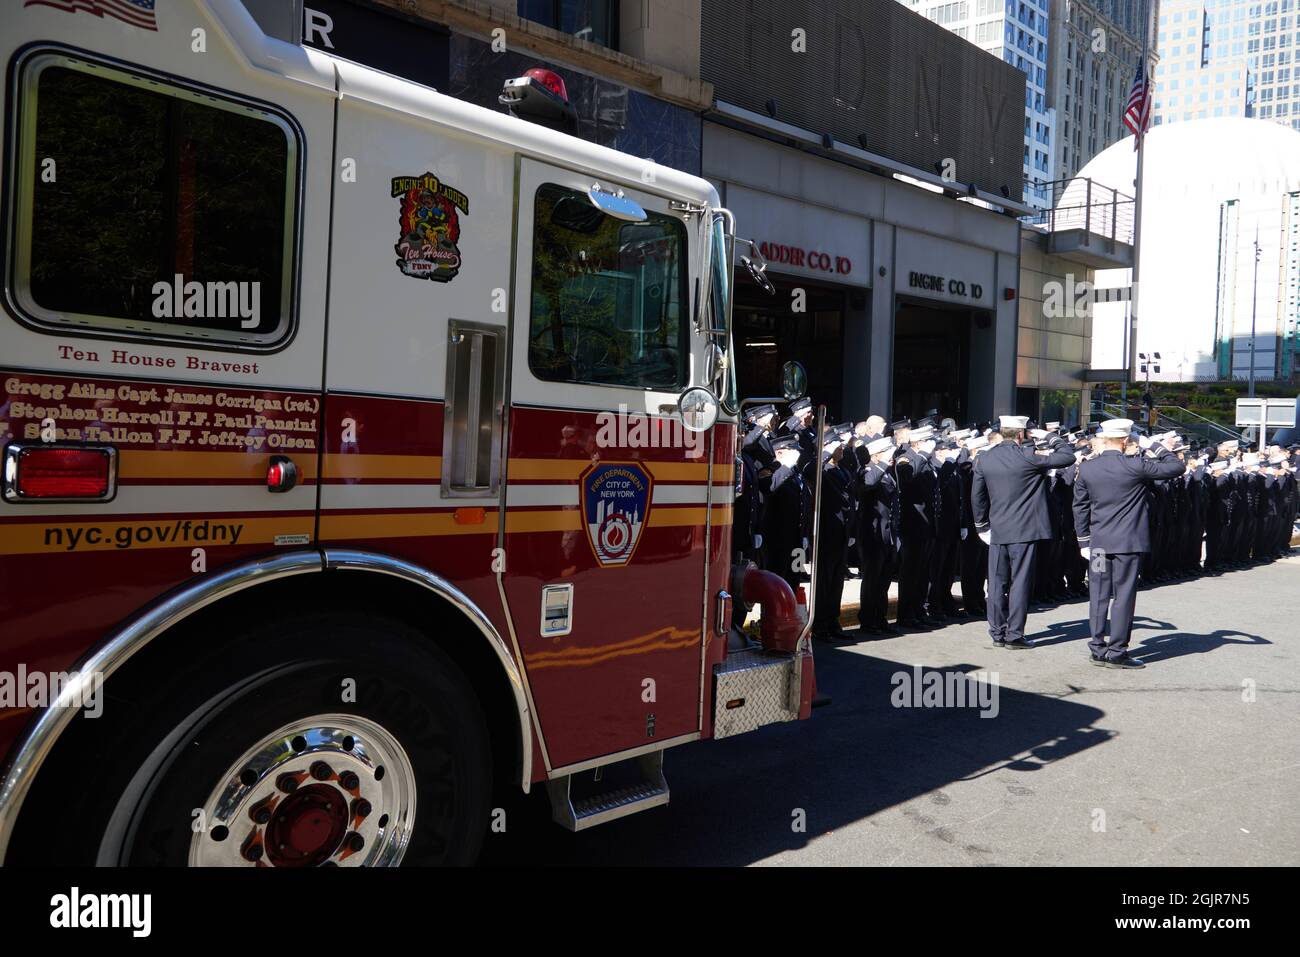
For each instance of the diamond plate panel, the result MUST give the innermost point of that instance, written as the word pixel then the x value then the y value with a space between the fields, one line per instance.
pixel 763 683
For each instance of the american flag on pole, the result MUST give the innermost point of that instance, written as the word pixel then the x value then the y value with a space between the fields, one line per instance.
pixel 1137 114
pixel 138 13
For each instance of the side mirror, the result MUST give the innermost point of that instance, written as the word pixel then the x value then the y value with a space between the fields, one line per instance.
pixel 794 380
pixel 757 267
pixel 616 203
pixel 758 274
pixel 698 408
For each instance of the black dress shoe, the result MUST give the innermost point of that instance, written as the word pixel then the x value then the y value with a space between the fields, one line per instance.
pixel 913 624
pixel 997 644
pixel 1098 660
pixel 1017 643
pixel 887 629
pixel 868 630
pixel 1125 663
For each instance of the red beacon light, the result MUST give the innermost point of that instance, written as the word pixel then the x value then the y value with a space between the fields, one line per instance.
pixel 540 94
pixel 59 472
pixel 551 80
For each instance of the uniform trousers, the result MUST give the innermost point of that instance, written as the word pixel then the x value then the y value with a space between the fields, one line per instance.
pixel 974 571
pixel 830 581
pixel 914 573
pixel 1011 582
pixel 877 567
pixel 1112 591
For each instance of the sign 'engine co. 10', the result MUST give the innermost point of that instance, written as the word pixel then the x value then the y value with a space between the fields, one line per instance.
pixel 954 287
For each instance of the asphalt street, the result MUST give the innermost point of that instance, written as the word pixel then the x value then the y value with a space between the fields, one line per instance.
pixel 1193 761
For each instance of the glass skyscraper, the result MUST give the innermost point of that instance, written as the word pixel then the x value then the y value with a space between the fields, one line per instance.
pixel 1228 58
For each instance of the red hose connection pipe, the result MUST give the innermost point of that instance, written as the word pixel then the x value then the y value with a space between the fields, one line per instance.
pixel 781 624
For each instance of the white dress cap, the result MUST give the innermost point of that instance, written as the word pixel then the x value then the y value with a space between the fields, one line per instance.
pixel 1116 428
pixel 1014 421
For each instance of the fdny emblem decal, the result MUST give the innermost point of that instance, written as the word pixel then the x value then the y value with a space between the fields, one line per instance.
pixel 430 227
pixel 615 506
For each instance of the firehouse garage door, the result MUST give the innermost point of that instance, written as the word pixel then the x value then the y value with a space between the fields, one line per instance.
pixel 943 327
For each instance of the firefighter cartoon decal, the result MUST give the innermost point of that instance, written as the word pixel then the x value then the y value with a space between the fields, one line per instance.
pixel 430 227
pixel 615 506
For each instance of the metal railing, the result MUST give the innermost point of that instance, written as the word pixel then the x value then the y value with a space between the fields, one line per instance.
pixel 1083 204
pixel 1169 418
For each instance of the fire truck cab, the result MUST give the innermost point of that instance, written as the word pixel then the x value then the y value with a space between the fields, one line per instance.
pixel 365 452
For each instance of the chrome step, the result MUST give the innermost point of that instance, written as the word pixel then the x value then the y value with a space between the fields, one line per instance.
pixel 579 813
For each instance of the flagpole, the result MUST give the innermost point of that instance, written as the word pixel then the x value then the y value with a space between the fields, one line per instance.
pixel 1148 45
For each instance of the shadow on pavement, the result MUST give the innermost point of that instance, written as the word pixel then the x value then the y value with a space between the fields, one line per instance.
pixel 1078 630
pixel 1168 644
pixel 1166 647
pixel 734 801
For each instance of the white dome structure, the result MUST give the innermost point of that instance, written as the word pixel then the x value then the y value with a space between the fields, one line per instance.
pixel 1208 185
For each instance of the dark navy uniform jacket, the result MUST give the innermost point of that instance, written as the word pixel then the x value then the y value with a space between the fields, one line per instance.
pixel 1009 491
pixel 918 484
pixel 1110 499
pixel 878 507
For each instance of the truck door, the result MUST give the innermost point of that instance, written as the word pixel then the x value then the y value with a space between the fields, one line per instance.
pixel 606 496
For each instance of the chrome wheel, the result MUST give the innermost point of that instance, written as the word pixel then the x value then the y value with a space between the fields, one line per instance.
pixel 328 790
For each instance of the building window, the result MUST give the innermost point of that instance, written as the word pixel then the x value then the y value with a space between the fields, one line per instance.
pixel 593 20
pixel 207 250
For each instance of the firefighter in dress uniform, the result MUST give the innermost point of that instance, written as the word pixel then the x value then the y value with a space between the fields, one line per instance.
pixel 786 514
pixel 918 485
pixel 756 460
pixel 879 514
pixel 834 532
pixel 1009 491
pixel 799 423
pixel 946 460
pixel 1111 504
pixel 974 553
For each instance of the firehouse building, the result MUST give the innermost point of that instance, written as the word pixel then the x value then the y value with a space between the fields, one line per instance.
pixel 896 299
pixel 896 287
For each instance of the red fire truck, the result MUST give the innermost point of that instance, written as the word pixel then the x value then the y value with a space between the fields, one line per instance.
pixel 364 452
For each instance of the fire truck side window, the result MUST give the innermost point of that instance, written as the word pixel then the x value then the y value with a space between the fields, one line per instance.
pixel 152 210
pixel 609 298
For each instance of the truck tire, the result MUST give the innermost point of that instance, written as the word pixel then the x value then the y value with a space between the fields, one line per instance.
pixel 318 741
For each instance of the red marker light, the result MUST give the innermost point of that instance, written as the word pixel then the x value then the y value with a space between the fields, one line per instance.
pixel 551 80
pixel 49 473
pixel 281 474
